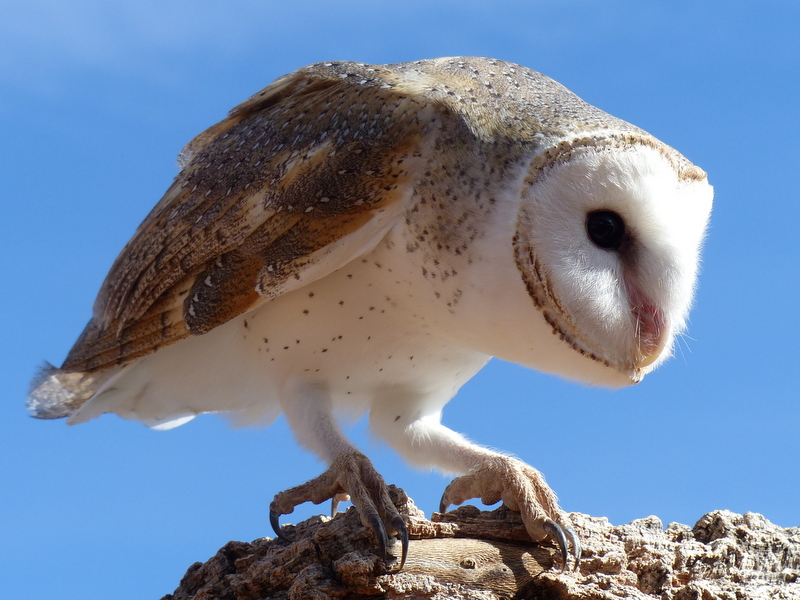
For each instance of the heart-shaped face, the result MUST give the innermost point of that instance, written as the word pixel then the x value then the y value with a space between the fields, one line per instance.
pixel 608 244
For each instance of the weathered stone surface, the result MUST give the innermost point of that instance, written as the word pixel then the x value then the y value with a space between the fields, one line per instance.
pixel 474 555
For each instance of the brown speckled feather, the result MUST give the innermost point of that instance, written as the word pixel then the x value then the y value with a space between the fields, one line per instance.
pixel 259 194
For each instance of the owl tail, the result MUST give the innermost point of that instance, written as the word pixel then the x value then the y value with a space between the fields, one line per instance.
pixel 56 394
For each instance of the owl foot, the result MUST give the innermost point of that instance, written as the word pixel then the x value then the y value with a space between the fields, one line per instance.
pixel 523 489
pixel 352 474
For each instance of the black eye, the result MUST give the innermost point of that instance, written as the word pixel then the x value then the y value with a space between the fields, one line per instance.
pixel 606 229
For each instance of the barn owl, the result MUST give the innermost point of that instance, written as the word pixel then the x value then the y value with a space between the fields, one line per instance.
pixel 362 239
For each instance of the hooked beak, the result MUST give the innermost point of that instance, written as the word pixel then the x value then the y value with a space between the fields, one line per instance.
pixel 651 334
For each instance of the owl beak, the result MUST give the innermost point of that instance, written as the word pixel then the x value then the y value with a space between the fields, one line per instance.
pixel 651 334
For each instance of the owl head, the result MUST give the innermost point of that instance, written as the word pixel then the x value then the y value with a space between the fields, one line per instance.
pixel 607 243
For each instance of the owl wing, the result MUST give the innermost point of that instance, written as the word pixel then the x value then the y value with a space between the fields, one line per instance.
pixel 300 179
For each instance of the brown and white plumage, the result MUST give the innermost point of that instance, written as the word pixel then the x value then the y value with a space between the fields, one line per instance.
pixel 364 238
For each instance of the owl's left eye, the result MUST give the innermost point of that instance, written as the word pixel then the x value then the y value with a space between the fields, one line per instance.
pixel 606 229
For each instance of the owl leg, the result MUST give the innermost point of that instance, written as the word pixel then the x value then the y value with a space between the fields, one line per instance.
pixel 488 475
pixel 309 412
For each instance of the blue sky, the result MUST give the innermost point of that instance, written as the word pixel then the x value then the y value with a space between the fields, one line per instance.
pixel 96 100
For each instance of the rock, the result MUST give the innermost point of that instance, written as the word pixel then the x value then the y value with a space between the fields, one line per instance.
pixel 473 555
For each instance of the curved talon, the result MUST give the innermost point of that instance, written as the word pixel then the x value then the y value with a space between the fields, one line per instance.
pixel 576 545
pixel 380 532
pixel 442 504
pixel 274 517
pixel 557 533
pixel 402 532
pixel 335 499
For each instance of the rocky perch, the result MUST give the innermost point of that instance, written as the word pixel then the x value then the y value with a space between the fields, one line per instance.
pixel 469 554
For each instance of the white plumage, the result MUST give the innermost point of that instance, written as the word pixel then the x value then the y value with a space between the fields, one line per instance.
pixel 365 238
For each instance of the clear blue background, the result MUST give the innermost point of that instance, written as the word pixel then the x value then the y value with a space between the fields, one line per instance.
pixel 96 100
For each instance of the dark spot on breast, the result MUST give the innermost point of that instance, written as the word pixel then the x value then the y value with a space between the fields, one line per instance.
pixel 397 418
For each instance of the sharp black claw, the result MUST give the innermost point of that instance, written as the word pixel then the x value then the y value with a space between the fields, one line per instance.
pixel 402 533
pixel 576 545
pixel 557 533
pixel 380 532
pixel 442 504
pixel 274 517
